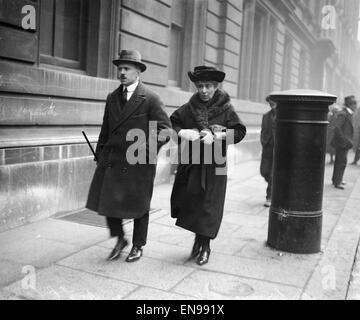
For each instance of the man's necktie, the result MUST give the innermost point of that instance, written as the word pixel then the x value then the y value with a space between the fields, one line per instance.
pixel 124 97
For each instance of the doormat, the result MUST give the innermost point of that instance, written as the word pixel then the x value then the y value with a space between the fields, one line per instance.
pixel 88 217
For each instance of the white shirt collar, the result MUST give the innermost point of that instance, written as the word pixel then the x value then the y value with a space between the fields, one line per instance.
pixel 132 87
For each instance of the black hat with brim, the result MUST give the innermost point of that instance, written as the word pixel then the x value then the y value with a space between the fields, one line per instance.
pixel 204 73
pixel 130 56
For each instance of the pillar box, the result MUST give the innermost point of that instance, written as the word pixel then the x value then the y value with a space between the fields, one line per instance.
pixel 295 218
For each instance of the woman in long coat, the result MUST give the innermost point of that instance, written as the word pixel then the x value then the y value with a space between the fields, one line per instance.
pixel 205 126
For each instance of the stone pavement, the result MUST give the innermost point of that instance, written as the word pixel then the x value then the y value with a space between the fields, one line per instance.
pixel 56 259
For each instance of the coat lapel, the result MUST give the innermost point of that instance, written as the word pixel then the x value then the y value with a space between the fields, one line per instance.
pixel 130 107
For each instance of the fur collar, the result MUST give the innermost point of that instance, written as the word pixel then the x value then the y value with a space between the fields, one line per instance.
pixel 203 111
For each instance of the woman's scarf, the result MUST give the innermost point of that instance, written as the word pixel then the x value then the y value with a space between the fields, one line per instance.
pixel 203 111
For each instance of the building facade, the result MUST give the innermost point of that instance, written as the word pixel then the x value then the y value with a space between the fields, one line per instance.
pixel 56 71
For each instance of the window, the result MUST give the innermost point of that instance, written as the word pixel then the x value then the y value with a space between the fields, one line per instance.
pixel 270 56
pixel 263 55
pixel 176 55
pixel 63 32
pixel 286 74
pixel 256 58
pixel 302 69
pixel 177 34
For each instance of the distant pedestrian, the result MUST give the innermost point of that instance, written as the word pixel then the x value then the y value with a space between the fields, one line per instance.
pixel 356 123
pixel 198 195
pixel 267 138
pixel 342 140
pixel 333 109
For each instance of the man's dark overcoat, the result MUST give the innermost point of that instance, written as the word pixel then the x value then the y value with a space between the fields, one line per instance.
pixel 343 131
pixel 198 195
pixel 267 139
pixel 120 189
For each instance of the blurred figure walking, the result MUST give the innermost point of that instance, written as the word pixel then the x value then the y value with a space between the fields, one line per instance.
pixel 333 110
pixel 267 138
pixel 356 124
pixel 342 140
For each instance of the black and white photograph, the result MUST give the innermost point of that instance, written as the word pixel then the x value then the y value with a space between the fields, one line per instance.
pixel 181 154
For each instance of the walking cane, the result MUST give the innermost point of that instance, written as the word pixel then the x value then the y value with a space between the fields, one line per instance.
pixel 91 148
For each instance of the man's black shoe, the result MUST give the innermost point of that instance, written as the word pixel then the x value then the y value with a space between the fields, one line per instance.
pixel 115 254
pixel 135 254
pixel 339 186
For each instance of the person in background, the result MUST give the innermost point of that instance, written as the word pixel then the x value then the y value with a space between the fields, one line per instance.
pixel 267 138
pixel 342 140
pixel 356 124
pixel 333 109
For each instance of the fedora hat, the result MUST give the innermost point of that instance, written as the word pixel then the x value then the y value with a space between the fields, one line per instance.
pixel 204 73
pixel 130 56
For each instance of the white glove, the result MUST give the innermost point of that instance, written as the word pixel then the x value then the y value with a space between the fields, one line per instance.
pixel 189 134
pixel 207 136
pixel 220 135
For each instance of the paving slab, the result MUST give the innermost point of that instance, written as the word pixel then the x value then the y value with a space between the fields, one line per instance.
pixel 244 206
pixel 281 270
pixel 245 220
pixel 55 229
pixel 258 251
pixel 144 293
pixel 171 235
pixel 45 242
pixel 353 292
pixel 227 229
pixel 10 271
pixel 242 191
pixel 328 225
pixel 166 220
pixel 218 286
pixel 227 245
pixel 156 250
pixel 61 283
pixel 148 272
pixel 38 252
pixel 246 233
pixel 331 277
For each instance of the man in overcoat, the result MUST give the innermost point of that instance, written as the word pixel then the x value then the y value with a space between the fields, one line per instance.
pixel 122 187
pixel 342 140
pixel 356 123
pixel 267 142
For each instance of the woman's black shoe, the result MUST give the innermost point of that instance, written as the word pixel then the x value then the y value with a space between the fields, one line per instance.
pixel 204 257
pixel 196 249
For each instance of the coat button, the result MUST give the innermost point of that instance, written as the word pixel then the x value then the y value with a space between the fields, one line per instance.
pixel 123 170
pixel 109 165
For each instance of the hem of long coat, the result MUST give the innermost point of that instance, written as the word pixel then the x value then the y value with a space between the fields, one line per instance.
pixel 194 230
pixel 117 216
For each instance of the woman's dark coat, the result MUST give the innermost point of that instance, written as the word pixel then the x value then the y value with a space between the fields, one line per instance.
pixel 197 199
pixel 120 189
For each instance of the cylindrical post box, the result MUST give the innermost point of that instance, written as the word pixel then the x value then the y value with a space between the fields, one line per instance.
pixel 295 218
